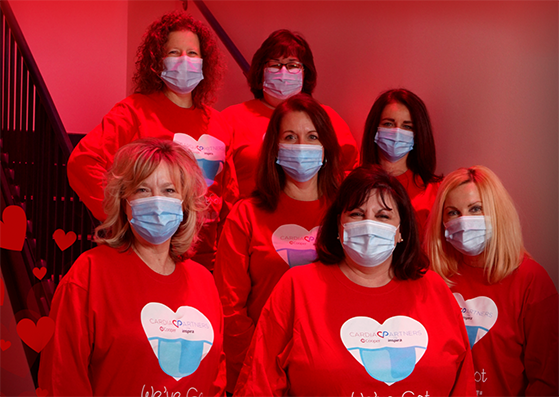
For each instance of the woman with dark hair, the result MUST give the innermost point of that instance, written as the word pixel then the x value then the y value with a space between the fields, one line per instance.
pixel 131 317
pixel 509 303
pixel 398 137
pixel 367 318
pixel 177 73
pixel 275 229
pixel 282 67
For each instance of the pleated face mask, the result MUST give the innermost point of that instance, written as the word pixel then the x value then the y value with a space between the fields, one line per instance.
pixel 182 74
pixel 369 243
pixel 394 143
pixel 300 161
pixel 156 218
pixel 468 234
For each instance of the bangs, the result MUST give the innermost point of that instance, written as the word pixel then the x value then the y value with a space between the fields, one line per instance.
pixel 286 50
pixel 362 195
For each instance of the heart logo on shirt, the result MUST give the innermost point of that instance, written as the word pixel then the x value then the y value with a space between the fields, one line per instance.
pixel 480 314
pixel 180 340
pixel 295 244
pixel 208 151
pixel 388 351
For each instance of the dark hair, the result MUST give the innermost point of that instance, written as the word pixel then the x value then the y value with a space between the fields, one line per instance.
pixel 422 160
pixel 150 54
pixel 408 260
pixel 282 43
pixel 270 177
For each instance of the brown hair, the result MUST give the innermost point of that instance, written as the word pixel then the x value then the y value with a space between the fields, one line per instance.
pixel 282 43
pixel 150 54
pixel 408 261
pixel 270 177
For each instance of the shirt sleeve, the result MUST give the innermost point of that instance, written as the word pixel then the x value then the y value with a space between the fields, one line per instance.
pixel 264 369
pixel 540 323
pixel 234 285
pixel 93 155
pixel 64 366
pixel 348 146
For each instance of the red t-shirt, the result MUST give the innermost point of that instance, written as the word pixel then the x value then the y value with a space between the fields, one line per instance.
pixel 249 121
pixel 512 326
pixel 320 334
pixel 121 330
pixel 138 116
pixel 255 249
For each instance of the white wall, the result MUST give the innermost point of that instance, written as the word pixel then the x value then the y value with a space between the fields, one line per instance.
pixel 488 72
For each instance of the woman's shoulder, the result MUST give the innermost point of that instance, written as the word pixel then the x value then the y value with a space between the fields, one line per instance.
pixel 194 269
pixel 98 260
pixel 532 273
pixel 243 109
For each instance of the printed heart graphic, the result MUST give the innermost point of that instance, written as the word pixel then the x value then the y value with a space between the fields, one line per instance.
pixel 388 351
pixel 2 289
pixel 480 314
pixel 64 240
pixel 41 392
pixel 208 151
pixel 5 344
pixel 179 340
pixel 40 272
pixel 295 244
pixel 36 336
pixel 12 228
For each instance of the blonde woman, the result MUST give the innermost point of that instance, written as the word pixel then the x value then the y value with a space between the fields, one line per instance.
pixel 508 301
pixel 131 317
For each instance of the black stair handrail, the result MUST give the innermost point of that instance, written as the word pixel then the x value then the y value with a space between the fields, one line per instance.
pixel 34 149
pixel 225 39
pixel 43 92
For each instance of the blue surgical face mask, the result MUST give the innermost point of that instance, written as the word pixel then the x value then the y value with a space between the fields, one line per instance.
pixel 369 243
pixel 156 218
pixel 301 162
pixel 395 143
pixel 468 234
pixel 282 84
pixel 182 74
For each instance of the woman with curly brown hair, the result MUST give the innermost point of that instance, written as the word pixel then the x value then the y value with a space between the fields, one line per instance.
pixel 178 70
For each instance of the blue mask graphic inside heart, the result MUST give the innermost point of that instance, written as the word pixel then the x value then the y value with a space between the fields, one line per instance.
pixel 472 331
pixel 389 364
pixel 209 168
pixel 179 357
pixel 299 257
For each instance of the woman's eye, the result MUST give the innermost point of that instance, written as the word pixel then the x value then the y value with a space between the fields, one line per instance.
pixel 476 209
pixel 356 214
pixel 193 53
pixel 170 190
pixel 313 137
pixel 407 127
pixel 383 216
pixel 452 213
pixel 141 190
pixel 387 124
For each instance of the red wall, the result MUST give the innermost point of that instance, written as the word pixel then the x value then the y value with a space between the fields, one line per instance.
pixel 488 72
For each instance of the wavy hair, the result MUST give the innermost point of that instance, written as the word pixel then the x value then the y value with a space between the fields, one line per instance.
pixel 150 54
pixel 270 177
pixel 282 43
pixel 422 160
pixel 503 251
pixel 408 260
pixel 135 162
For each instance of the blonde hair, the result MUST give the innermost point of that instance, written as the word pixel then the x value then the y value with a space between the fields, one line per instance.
pixel 503 251
pixel 135 162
